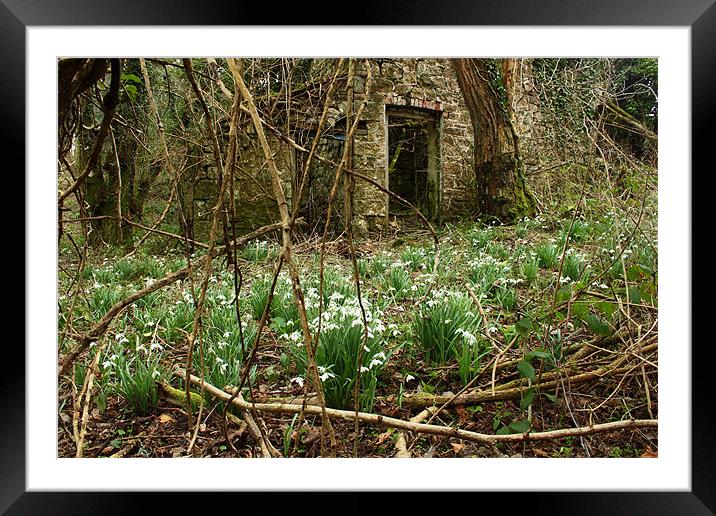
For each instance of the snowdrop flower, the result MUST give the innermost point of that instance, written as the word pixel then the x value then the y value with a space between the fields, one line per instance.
pixel 364 369
pixel 297 380
pixel 156 374
pixel 156 346
pixel 121 339
pixel 409 378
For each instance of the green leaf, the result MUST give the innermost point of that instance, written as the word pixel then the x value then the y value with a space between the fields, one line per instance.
pixel 130 77
pixel 597 325
pixel 495 424
pixel 551 397
pixel 606 308
pixel 538 353
pixel 116 443
pixel 579 309
pixel 527 399
pixel 523 326
pixel 633 295
pixel 520 427
pixel 504 431
pixel 564 293
pixel 526 370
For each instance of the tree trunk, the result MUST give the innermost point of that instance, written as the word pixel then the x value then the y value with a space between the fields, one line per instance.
pixel 502 192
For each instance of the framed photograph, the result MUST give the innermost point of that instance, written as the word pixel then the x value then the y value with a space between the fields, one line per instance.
pixel 402 110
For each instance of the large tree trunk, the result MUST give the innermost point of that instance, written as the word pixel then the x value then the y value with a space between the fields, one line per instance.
pixel 498 167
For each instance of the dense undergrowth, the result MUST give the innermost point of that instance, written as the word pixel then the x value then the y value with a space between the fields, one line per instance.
pixel 532 293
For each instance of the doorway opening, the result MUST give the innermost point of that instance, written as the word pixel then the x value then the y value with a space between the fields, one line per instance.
pixel 413 161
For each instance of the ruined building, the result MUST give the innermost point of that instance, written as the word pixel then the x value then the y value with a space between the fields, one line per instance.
pixel 414 137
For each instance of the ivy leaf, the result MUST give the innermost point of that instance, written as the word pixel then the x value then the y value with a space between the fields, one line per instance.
pixel 597 325
pixel 551 397
pixel 633 295
pixel 526 370
pixel 520 427
pixel 526 401
pixel 523 326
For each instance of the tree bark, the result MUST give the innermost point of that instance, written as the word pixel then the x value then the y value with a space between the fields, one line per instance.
pixel 501 189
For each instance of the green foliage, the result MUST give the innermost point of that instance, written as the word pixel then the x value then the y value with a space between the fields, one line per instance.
pixel 547 255
pixel 259 296
pixel 136 380
pixel 258 251
pixel 573 267
pixel 484 272
pixel 445 325
pixel 397 283
pixel 223 352
pixel 530 269
pixel 341 338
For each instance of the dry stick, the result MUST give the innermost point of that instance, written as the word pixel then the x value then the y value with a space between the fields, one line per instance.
pixel 287 254
pixel 403 451
pixel 513 389
pixel 88 396
pixel 286 408
pixel 348 186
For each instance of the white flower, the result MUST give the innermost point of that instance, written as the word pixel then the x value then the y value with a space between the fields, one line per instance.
pixel 156 374
pixel 298 380
pixel 409 378
pixel 364 369
pixel 155 346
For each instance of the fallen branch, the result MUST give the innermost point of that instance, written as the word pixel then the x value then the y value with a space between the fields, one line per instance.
pixel 377 419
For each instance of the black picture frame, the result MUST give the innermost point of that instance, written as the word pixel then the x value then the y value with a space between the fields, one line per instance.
pixel 700 15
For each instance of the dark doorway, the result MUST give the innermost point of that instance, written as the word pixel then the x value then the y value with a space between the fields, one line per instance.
pixel 413 161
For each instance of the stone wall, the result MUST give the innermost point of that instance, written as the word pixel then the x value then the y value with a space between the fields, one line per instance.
pixel 427 85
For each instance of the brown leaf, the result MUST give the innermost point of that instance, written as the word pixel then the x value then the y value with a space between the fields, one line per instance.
pixel 540 453
pixel 382 437
pixel 457 447
pixel 649 453
pixel 314 434
pixel 165 418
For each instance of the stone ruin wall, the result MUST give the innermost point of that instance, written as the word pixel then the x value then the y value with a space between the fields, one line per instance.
pixel 527 114
pixel 428 84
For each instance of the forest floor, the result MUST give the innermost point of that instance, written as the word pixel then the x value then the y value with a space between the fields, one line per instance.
pixel 545 336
